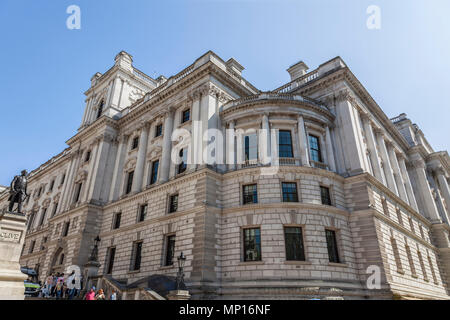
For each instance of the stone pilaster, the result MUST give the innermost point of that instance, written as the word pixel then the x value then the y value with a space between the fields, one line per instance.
pixel 142 152
pixel 167 146
pixel 330 152
pixel 386 163
pixel 397 174
pixel 409 190
pixel 372 145
pixel 118 168
pixel 303 141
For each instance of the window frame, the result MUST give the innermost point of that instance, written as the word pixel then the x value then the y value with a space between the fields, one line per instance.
pixel 302 237
pixel 330 200
pixel 336 246
pixel 116 222
pixel 167 238
pixel 244 243
pixel 244 202
pixel 154 175
pixel 318 150
pixel 283 144
pixel 170 206
pixel 183 113
pixel 128 183
pixel 141 217
pixel 110 257
pixel 137 248
pixel 158 130
pixel 296 191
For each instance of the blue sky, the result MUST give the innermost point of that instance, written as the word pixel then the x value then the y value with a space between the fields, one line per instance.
pixel 47 67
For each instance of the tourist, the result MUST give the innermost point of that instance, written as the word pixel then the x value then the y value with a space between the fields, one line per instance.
pixel 91 294
pixel 100 295
pixel 113 295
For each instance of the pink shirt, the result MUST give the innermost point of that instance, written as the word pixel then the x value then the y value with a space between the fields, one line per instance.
pixel 90 295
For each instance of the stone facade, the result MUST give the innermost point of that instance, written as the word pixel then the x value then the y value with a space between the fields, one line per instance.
pixel 373 182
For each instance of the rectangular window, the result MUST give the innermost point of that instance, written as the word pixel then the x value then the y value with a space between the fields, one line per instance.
pixel 116 222
pixel 186 116
pixel 129 182
pixel 422 266
pixel 110 260
pixel 44 212
pixel 142 212
pixel 293 237
pixel 285 144
pixel 332 246
pixel 325 196
pixel 158 131
pixel 55 207
pixel 136 256
pixel 135 143
pixel 251 147
pixel 31 220
pixel 66 229
pixel 412 267
pixel 154 172
pixel 88 156
pixel 52 184
pixel 290 193
pixel 32 244
pixel 77 192
pixel 249 194
pixel 411 225
pixel 170 250
pixel 398 261
pixel 314 146
pixel 252 244
pixel 183 165
pixel 173 203
pixel 63 179
pixel 433 273
pixel 44 241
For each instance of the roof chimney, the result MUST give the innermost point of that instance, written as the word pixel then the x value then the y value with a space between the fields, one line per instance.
pixel 297 70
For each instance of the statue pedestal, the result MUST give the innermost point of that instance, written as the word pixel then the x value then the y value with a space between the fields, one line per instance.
pixel 178 295
pixel 12 236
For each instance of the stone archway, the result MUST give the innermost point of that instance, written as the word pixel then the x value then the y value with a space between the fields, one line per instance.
pixel 58 261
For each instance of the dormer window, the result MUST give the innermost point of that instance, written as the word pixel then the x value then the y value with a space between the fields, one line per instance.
pixel 100 109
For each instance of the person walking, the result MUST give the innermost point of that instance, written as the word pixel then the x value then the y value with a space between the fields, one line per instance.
pixel 90 295
pixel 100 295
pixel 113 295
pixel 59 289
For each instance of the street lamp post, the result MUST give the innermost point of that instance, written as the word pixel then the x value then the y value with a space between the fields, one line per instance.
pixel 180 275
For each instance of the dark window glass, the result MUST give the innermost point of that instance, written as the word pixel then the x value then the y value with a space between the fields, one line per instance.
pixel 30 222
pixel 117 219
pixel 154 174
pixel 77 192
pixel 285 144
pixel 325 196
pixel 170 250
pixel 63 178
pixel 32 244
pixel 332 246
pixel 186 116
pixel 252 244
pixel 100 109
pixel 294 244
pixel 66 229
pixel 55 207
pixel 110 261
pixel 250 194
pixel 158 130
pixel 129 182
pixel 136 258
pixel 135 143
pixel 44 212
pixel 173 203
pixel 52 184
pixel 290 192
pixel 142 212
pixel 61 259
pixel 314 145
pixel 88 156
pixel 182 166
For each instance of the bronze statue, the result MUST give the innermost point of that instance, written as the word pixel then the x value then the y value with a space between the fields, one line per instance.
pixel 18 191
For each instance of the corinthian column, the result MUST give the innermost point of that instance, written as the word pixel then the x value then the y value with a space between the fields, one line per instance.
pixel 264 140
pixel 167 146
pixel 397 175
pixel 425 192
pixel 302 138
pixel 140 162
pixel 230 156
pixel 118 168
pixel 386 164
pixel 371 144
pixel 407 180
pixel 443 186
pixel 330 153
pixel 196 129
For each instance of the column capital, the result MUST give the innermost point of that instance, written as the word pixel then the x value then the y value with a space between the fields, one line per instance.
pixel 418 163
pixel 344 95
pixel 365 117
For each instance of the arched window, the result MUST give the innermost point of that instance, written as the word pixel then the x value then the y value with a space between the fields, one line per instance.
pixel 100 109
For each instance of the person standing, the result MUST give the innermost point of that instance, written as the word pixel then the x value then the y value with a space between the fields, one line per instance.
pixel 90 295
pixel 100 295
pixel 113 295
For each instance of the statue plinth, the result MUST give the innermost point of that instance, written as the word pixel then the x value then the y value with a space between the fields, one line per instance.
pixel 12 236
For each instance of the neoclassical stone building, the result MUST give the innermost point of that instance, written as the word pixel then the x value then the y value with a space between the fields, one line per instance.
pixel 348 190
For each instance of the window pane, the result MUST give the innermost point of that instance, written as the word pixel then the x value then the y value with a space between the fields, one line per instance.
pixel 250 194
pixel 252 244
pixel 290 192
pixel 170 250
pixel 332 246
pixel 129 182
pixel 117 219
pixel 183 165
pixel 314 146
pixel 142 212
pixel 294 244
pixel 154 175
pixel 112 253
pixel 186 115
pixel 137 259
pixel 251 147
pixel 173 205
pixel 325 196
pixel 285 144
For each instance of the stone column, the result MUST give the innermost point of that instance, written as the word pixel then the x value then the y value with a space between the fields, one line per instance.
pixel 386 163
pixel 437 195
pixel 264 140
pixel 118 168
pixel 371 144
pixel 397 174
pixel 12 237
pixel 140 162
pixel 196 128
pixel 70 180
pixel 66 184
pixel 116 93
pixel 167 146
pixel 99 170
pixel 407 180
pixel 302 138
pixel 443 185
pixel 230 153
pixel 90 171
pixel 425 192
pixel 330 153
